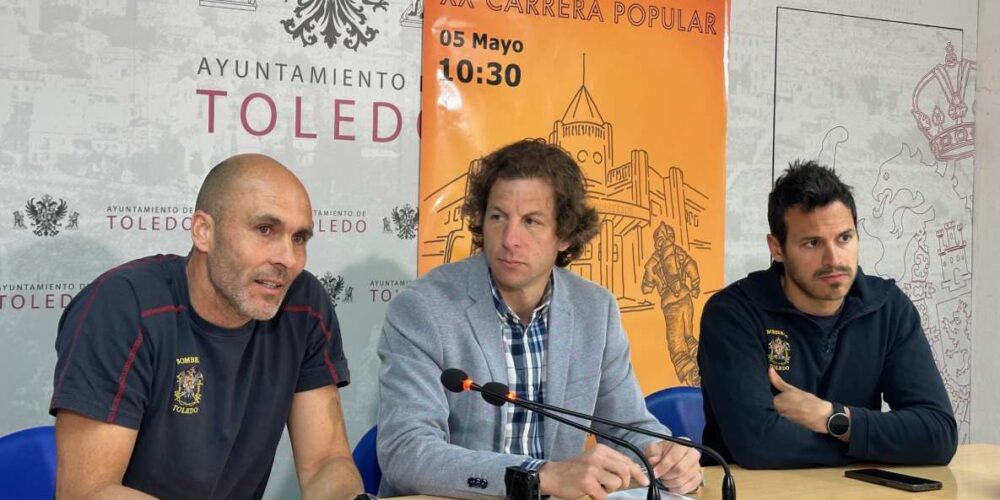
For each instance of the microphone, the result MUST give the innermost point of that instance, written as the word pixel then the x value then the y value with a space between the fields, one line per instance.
pixel 455 380
pixel 500 392
pixel 495 393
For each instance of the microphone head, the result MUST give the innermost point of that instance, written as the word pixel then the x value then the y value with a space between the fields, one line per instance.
pixel 454 379
pixel 494 393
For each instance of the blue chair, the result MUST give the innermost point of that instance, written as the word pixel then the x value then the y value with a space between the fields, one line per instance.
pixel 679 408
pixel 28 464
pixel 367 461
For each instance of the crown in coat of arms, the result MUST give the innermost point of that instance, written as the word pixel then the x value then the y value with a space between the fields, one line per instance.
pixel 941 110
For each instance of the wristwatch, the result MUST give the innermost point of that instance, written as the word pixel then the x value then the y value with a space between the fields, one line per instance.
pixel 522 483
pixel 838 424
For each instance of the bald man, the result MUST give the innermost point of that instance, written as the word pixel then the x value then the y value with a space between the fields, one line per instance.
pixel 176 375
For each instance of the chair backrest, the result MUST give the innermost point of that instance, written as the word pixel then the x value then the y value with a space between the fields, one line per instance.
pixel 28 464
pixel 366 459
pixel 679 408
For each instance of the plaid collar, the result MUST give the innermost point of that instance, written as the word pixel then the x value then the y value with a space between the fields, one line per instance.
pixel 507 314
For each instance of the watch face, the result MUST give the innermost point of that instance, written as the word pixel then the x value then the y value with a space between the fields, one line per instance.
pixel 522 483
pixel 839 424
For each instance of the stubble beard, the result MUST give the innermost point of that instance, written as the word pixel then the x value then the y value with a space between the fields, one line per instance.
pixel 225 277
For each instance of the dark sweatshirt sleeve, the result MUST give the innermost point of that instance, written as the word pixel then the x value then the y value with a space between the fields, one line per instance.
pixel 733 363
pixel 920 428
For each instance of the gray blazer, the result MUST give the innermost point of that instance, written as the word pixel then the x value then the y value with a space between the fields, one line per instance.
pixel 431 441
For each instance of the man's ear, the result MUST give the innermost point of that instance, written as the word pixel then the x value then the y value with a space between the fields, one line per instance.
pixel 563 245
pixel 774 246
pixel 202 231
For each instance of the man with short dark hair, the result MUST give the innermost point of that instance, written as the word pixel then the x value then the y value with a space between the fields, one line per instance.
pixel 796 360
pixel 513 314
pixel 176 375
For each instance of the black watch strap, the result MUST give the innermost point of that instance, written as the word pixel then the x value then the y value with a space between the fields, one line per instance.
pixel 838 423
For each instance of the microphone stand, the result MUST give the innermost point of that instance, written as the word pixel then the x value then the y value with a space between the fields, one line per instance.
pixel 728 483
pixel 491 397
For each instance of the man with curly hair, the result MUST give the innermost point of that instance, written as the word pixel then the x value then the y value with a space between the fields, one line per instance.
pixel 514 314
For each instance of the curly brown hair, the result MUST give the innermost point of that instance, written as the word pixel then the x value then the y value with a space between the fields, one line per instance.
pixel 576 222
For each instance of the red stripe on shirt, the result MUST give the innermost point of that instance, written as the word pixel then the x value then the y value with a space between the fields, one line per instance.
pixel 86 310
pixel 113 414
pixel 159 310
pixel 326 334
pixel 329 366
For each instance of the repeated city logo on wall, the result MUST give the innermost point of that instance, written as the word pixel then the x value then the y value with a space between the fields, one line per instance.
pixel 45 216
pixel 336 289
pixel 376 291
pixel 402 222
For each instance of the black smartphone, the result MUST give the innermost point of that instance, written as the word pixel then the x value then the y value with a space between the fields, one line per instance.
pixel 894 479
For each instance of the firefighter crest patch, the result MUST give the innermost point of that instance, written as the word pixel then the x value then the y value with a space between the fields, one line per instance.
pixel 779 350
pixel 187 397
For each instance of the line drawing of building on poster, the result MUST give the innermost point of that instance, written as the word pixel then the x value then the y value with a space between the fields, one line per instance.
pixel 639 203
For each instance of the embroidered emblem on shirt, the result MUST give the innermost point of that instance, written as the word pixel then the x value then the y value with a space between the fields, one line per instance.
pixel 187 397
pixel 779 353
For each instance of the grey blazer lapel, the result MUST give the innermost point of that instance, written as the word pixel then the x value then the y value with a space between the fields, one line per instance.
pixel 482 315
pixel 560 347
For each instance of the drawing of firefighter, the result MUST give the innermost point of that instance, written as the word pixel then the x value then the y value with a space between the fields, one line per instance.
pixel 674 275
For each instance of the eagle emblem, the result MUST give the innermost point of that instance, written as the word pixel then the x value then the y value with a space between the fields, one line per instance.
pixel 405 221
pixel 46 215
pixel 334 286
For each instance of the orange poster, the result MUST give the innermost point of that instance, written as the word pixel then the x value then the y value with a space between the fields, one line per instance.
pixel 636 93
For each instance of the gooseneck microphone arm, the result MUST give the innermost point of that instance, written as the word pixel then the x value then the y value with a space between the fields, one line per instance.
pixel 728 484
pixel 458 377
pixel 494 393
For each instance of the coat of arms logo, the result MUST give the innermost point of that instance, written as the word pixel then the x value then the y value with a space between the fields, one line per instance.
pixel 404 219
pixel 779 353
pixel 333 19
pixel 46 216
pixel 189 384
pixel 334 286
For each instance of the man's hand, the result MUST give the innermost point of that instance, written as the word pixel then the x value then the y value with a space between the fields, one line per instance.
pixel 594 473
pixel 801 407
pixel 677 467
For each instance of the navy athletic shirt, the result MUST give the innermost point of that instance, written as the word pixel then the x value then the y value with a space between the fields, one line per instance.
pixel 209 403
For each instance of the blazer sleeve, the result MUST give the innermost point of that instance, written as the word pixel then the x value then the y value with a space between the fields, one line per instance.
pixel 619 396
pixel 415 419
